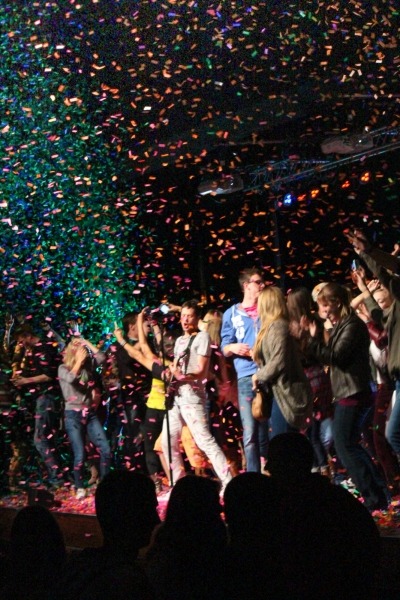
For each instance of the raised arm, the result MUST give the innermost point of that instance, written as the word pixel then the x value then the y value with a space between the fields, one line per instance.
pixel 133 349
pixel 362 246
pixel 143 343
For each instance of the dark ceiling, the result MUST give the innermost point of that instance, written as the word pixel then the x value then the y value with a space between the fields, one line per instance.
pixel 193 80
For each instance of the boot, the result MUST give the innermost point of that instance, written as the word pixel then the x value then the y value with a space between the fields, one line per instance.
pixel 94 475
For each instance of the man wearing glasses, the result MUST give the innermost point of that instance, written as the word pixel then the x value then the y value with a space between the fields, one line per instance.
pixel 239 330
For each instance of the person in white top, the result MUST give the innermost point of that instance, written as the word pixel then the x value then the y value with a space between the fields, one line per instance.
pixel 189 374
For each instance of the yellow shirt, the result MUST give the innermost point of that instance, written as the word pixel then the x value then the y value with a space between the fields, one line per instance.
pixel 156 397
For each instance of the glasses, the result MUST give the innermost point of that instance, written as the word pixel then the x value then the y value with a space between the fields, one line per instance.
pixel 258 282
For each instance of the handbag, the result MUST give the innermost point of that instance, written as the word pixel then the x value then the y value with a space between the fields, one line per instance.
pixel 261 406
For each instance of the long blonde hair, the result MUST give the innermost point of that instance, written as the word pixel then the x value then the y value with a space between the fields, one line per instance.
pixel 271 307
pixel 212 321
pixel 69 357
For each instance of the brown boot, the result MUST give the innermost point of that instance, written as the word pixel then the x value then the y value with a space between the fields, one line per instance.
pixel 94 475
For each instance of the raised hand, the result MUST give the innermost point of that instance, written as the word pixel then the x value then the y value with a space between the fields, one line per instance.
pixel 358 240
pixel 81 354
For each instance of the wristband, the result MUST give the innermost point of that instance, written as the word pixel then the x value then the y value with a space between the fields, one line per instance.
pixel 124 343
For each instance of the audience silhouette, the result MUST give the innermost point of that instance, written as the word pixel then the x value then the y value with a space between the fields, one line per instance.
pixel 290 535
pixel 330 545
pixel 185 558
pixel 251 564
pixel 35 557
pixel 126 508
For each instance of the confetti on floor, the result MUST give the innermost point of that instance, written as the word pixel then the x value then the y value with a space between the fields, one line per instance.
pixel 65 501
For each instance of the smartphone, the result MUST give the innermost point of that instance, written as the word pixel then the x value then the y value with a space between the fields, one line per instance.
pixel 355 265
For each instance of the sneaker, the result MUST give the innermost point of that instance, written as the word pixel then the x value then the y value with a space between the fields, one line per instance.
pixel 80 493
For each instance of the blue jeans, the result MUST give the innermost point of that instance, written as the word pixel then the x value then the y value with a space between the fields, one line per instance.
pixel 320 436
pixel 43 437
pixel 278 422
pixel 255 434
pixel 393 427
pixel 347 425
pixel 77 426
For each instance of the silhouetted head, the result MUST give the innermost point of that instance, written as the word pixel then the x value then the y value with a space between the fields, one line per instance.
pixel 126 508
pixel 37 549
pixel 194 501
pixel 290 457
pixel 249 501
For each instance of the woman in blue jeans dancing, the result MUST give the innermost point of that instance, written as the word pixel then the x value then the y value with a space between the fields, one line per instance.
pixel 81 400
pixel 347 354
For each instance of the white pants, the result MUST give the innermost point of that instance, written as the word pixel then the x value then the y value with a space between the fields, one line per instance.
pixel 194 415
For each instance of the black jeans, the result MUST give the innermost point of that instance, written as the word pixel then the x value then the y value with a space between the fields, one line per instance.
pixel 347 424
pixel 151 429
pixel 132 413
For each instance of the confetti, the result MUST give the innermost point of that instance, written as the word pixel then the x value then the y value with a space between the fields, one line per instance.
pixel 112 117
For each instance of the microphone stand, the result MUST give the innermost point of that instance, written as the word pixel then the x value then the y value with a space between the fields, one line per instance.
pixel 164 366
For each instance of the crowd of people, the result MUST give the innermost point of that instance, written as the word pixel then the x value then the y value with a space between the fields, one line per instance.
pixel 290 535
pixel 163 402
pixel 167 402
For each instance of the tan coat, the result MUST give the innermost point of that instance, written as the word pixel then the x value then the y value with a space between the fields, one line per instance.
pixel 283 370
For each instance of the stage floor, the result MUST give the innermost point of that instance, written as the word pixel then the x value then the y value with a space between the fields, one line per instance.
pixel 66 506
pixel 77 518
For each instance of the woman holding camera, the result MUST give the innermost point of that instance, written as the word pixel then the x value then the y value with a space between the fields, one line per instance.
pixel 76 377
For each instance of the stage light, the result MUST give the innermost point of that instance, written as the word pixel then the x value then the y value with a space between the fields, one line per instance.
pixel 289 199
pixel 314 193
pixel 365 177
pixel 346 184
pixel 226 184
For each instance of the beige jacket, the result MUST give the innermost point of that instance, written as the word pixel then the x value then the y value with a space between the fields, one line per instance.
pixel 283 370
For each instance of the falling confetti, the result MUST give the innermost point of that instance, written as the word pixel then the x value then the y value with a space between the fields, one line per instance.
pixel 114 113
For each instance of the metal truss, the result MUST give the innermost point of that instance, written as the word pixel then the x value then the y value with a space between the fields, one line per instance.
pixel 277 174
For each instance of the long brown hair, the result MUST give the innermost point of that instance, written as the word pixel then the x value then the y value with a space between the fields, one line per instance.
pixel 271 307
pixel 299 304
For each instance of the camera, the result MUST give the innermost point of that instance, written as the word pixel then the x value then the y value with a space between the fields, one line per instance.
pixel 161 311
pixel 164 309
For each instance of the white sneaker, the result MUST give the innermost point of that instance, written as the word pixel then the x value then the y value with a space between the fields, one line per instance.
pixel 80 493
